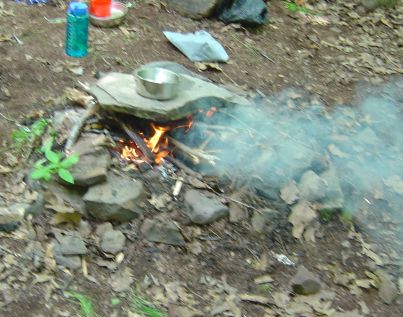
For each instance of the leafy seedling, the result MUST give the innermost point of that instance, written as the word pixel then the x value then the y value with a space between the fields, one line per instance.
pixel 87 308
pixel 25 137
pixel 52 163
pixel 144 308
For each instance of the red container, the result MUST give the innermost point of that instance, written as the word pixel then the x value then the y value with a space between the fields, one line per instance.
pixel 100 8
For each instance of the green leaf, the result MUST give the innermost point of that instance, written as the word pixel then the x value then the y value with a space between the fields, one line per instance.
pixel 70 161
pixel 53 157
pixel 85 303
pixel 38 128
pixel 115 301
pixel 39 163
pixel 39 173
pixel 47 146
pixel 65 175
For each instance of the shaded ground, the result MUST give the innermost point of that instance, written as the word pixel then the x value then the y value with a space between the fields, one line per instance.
pixel 329 60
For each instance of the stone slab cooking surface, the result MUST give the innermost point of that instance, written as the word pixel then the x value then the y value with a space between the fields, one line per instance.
pixel 117 92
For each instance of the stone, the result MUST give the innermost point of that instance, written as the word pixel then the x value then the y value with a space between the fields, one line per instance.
pixel 265 220
pixel 118 199
pixel 92 168
pixel 161 231
pixel 102 228
pixel 112 241
pixel 203 209
pixel 68 196
pixel 70 262
pixel 71 244
pixel 195 9
pixel 305 282
pixel 12 216
pixel 236 213
pixel 91 142
pixel 388 291
pixel 334 197
pixel 117 92
pixel 64 120
pixel 311 186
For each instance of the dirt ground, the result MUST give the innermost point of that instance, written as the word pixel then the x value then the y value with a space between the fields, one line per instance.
pixel 331 57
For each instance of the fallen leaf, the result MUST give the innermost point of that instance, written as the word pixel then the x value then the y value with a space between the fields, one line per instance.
pixel 59 218
pixel 205 66
pixel 263 279
pixel 4 170
pixel 254 299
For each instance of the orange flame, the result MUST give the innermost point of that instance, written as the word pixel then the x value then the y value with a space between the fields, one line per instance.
pixel 129 151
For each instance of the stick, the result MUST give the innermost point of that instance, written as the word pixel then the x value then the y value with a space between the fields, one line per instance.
pixel 194 154
pixel 148 155
pixel 75 131
pixel 183 167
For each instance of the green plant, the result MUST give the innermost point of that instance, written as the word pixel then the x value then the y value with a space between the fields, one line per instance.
pixel 52 163
pixel 297 8
pixel 141 306
pixel 25 137
pixel 87 308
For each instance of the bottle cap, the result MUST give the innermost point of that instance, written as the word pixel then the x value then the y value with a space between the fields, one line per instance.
pixel 78 9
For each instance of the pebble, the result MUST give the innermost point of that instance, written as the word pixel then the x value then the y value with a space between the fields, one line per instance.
pixel 113 241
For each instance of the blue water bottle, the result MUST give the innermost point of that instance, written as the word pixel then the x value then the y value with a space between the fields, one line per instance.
pixel 77 30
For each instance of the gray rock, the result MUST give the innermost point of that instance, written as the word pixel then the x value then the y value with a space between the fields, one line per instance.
pixel 37 206
pixel 12 216
pixel 204 209
pixel 265 220
pixel 167 232
pixel 71 244
pixel 91 142
pixel 117 92
pixel 236 213
pixel 312 187
pixel 91 168
pixel 334 197
pixel 71 262
pixel 64 120
pixel 196 9
pixel 112 241
pixel 305 282
pixel 388 291
pixel 118 199
pixel 68 196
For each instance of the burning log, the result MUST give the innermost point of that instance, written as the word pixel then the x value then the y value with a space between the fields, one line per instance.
pixel 138 140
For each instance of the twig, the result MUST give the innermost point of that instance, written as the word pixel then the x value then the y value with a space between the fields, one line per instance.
pixel 10 120
pixel 194 154
pixel 183 167
pixel 75 131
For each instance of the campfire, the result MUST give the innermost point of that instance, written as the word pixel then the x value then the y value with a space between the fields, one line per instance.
pixel 153 142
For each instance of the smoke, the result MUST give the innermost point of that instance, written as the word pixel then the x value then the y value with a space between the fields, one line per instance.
pixel 276 140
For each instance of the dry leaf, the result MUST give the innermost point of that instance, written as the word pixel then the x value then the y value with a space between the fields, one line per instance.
pixel 205 66
pixel 263 279
pixel 254 299
pixel 301 215
pixel 67 217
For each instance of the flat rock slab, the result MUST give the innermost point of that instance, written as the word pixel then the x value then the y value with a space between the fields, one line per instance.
pixel 71 245
pixel 305 282
pixel 91 168
pixel 196 9
pixel 162 231
pixel 118 199
pixel 117 92
pixel 204 209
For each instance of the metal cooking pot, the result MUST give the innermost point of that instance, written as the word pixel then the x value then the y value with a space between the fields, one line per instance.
pixel 156 83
